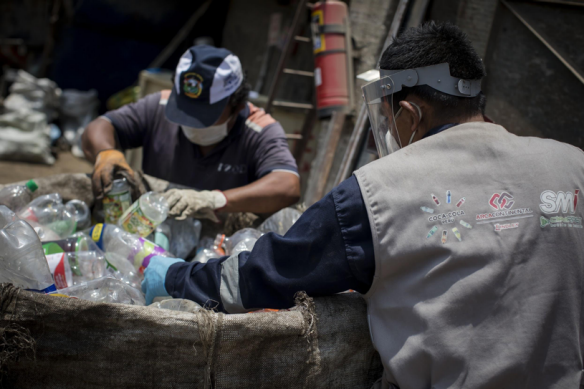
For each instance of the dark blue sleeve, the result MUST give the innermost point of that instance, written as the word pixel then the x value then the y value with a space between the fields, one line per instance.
pixel 327 251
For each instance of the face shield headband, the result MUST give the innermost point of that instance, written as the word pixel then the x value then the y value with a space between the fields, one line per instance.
pixel 378 96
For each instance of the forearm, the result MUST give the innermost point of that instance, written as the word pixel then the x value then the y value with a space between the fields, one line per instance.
pixel 315 256
pixel 269 194
pixel 99 135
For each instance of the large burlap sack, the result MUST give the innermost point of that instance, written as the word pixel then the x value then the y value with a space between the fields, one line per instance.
pixel 53 342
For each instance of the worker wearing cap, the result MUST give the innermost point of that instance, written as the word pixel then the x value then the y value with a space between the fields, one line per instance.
pixel 465 240
pixel 202 134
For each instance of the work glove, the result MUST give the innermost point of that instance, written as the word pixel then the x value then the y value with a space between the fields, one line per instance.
pixel 111 164
pixel 155 275
pixel 183 203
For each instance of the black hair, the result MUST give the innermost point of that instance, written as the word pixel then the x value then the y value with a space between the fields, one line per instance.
pixel 432 44
pixel 241 95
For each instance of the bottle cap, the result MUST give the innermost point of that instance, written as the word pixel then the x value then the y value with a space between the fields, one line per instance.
pixel 31 185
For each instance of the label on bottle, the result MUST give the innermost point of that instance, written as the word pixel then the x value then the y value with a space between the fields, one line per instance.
pixel 96 234
pixel 47 290
pixel 28 214
pixel 52 248
pixel 162 240
pixel 114 206
pixel 141 257
pixel 135 222
pixel 61 272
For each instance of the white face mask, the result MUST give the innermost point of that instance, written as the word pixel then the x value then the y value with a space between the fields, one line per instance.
pixel 206 136
pixel 392 143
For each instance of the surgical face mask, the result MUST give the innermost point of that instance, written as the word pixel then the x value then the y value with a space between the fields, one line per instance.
pixel 392 143
pixel 207 136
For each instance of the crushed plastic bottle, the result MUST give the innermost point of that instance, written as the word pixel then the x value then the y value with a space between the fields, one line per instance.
pixel 280 222
pixel 145 214
pixel 80 212
pixel 137 250
pixel 75 260
pixel 181 305
pixel 49 211
pixel 22 261
pixel 244 240
pixel 106 290
pixel 204 255
pixel 16 197
pixel 123 270
pixel 117 201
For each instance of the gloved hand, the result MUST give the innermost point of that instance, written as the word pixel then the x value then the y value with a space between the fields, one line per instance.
pixel 110 163
pixel 155 275
pixel 198 204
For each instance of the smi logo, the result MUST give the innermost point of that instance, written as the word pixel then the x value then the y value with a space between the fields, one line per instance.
pixel 554 202
pixel 501 201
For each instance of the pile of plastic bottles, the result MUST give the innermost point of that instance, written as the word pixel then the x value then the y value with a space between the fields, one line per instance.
pixel 53 247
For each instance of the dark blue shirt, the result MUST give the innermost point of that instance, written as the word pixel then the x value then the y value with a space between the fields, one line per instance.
pixel 255 146
pixel 328 250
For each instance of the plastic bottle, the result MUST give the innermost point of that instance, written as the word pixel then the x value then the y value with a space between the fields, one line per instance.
pixel 145 214
pixel 49 211
pixel 136 249
pixel 123 270
pixel 243 239
pixel 163 236
pixel 17 197
pixel 22 261
pixel 80 212
pixel 117 201
pixel 281 221
pixel 181 305
pixel 204 255
pixel 75 260
pixel 106 290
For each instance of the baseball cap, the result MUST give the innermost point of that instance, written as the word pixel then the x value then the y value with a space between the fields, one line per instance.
pixel 205 78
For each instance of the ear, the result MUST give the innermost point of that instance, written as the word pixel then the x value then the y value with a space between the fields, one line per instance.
pixel 413 115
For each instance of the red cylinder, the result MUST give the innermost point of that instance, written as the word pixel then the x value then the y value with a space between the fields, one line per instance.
pixel 329 27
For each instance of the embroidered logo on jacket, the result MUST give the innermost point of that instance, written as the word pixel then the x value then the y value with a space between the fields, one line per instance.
pixel 448 216
pixel 554 202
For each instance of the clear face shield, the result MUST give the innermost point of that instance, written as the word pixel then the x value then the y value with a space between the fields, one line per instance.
pixel 378 96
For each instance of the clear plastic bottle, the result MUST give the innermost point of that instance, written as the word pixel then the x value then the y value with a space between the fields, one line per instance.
pixel 17 197
pixel 281 221
pixel 80 212
pixel 163 236
pixel 117 201
pixel 137 250
pixel 106 290
pixel 123 270
pixel 181 305
pixel 75 260
pixel 49 211
pixel 244 240
pixel 204 255
pixel 145 214
pixel 22 261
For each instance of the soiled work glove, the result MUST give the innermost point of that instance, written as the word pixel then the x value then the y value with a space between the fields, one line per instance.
pixel 155 275
pixel 198 204
pixel 109 164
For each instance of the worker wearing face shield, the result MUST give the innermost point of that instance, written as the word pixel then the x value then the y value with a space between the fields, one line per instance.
pixel 201 134
pixel 465 240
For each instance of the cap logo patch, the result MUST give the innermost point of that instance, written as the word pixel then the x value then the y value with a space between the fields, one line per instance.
pixel 192 85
